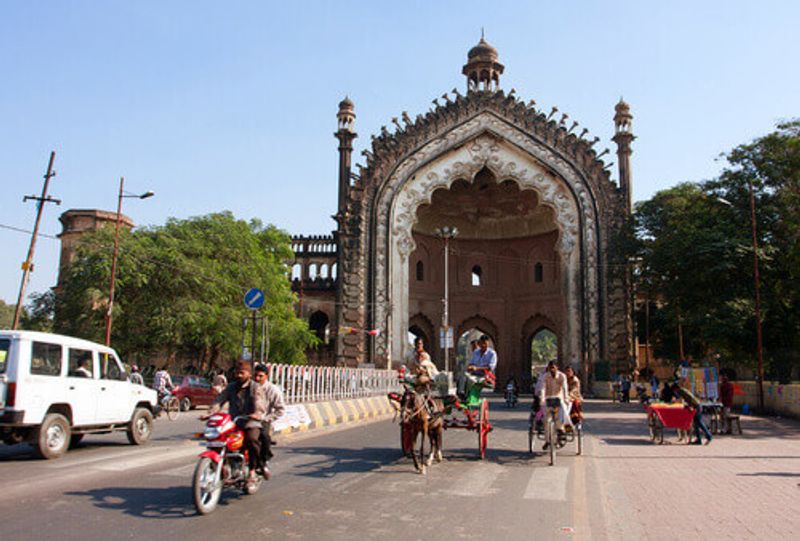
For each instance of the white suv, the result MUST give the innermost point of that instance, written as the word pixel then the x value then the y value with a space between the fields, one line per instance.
pixel 54 389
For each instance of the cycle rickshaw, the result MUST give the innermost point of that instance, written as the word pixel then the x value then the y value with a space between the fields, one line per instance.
pixel 543 427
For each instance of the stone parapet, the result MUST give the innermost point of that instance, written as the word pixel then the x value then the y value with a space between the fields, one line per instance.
pixel 780 399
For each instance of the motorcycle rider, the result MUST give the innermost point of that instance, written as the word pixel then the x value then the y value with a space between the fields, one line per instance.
pixel 276 407
pixel 245 398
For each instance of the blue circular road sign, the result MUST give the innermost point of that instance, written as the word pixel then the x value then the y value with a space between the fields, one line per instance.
pixel 254 298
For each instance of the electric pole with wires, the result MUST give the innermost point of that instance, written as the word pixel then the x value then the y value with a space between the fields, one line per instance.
pixel 27 265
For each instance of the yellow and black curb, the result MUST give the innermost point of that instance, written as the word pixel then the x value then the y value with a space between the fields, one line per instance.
pixel 335 412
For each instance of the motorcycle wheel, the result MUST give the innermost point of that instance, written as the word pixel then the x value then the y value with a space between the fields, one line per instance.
pixel 206 494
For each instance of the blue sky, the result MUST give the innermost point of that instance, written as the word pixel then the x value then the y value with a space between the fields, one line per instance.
pixel 231 105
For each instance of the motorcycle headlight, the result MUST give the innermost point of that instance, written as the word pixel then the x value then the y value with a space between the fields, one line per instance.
pixel 211 433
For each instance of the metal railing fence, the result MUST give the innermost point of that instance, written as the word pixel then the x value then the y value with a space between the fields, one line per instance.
pixel 316 383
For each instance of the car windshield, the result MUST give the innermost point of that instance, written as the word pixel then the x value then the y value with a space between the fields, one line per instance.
pixel 5 344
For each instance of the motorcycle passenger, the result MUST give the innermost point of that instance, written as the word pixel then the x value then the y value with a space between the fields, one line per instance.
pixel 275 410
pixel 245 398
pixel 555 386
pixel 162 383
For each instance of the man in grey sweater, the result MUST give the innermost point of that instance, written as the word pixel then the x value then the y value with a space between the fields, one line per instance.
pixel 274 410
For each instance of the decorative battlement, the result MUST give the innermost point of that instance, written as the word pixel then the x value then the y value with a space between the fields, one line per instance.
pixel 309 245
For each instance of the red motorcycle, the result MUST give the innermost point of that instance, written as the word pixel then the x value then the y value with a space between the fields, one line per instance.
pixel 224 463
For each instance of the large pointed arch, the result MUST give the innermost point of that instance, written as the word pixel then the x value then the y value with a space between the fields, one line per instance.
pixel 487 141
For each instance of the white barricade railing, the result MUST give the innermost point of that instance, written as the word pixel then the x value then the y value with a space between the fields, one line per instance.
pixel 316 383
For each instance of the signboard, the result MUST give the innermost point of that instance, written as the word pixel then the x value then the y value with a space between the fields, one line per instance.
pixel 254 298
pixel 449 338
pixel 295 416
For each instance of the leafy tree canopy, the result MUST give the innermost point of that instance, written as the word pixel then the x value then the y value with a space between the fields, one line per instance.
pixel 696 256
pixel 179 290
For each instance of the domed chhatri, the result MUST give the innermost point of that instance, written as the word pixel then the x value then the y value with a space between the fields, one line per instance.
pixel 483 51
pixel 346 104
pixel 482 69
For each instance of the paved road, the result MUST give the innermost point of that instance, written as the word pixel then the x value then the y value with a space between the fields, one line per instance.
pixel 351 483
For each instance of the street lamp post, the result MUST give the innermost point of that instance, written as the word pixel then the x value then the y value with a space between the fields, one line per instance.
pixel 122 194
pixel 446 233
pixel 757 288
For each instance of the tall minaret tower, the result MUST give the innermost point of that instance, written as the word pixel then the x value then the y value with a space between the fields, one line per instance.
pixel 346 133
pixel 482 69
pixel 623 136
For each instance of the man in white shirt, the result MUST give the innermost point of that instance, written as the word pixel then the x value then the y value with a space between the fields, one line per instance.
pixel 555 386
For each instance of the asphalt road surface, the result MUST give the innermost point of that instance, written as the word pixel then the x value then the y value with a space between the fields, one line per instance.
pixel 341 483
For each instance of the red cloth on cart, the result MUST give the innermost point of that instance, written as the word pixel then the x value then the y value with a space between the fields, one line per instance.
pixel 672 415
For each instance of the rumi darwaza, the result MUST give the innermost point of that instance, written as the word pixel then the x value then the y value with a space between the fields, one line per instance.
pixel 518 206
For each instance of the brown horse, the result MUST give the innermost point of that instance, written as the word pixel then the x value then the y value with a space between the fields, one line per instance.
pixel 418 413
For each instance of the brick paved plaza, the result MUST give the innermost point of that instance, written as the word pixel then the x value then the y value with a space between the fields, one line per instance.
pixel 738 487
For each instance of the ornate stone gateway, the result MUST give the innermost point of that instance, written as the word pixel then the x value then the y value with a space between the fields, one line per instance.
pixel 539 218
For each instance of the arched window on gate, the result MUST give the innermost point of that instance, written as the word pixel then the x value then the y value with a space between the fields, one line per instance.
pixel 477 275
pixel 297 271
pixel 312 271
pixel 318 323
pixel 323 270
pixel 538 273
pixel 420 271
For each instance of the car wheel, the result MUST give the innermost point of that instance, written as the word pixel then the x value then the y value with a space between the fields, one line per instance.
pixel 141 426
pixel 53 437
pixel 186 404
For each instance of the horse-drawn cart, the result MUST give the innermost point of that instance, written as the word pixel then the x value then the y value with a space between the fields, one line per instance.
pixel 470 414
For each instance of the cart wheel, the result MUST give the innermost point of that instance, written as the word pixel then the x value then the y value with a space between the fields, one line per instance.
pixel 406 441
pixel 483 428
pixel 579 437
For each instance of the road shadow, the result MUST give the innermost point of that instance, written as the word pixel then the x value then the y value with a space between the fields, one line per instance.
pixel 145 502
pixel 330 461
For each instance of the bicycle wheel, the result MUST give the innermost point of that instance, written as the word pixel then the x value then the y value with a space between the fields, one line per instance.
pixel 550 437
pixel 173 407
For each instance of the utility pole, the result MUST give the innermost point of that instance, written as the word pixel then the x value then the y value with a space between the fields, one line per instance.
pixel 27 266
pixel 447 234
pixel 110 313
pixel 757 285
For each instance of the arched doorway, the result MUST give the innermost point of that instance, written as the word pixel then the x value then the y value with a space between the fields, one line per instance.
pixel 319 322
pixel 491 272
pixel 543 348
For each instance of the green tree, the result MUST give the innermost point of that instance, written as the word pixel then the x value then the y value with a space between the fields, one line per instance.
pixel 696 258
pixel 6 315
pixel 179 290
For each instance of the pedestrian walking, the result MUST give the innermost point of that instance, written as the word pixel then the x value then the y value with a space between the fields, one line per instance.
pixel 693 402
